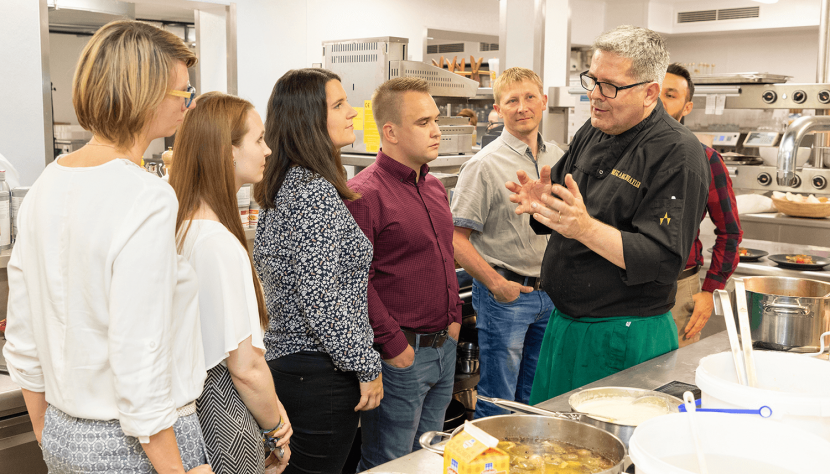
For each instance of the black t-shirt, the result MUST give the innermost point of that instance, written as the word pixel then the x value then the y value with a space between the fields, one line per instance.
pixel 651 183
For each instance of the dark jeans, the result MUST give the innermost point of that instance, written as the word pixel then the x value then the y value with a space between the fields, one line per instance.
pixel 319 400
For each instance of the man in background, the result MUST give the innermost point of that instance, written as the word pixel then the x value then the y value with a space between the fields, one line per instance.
pixel 413 291
pixel 498 248
pixel 694 304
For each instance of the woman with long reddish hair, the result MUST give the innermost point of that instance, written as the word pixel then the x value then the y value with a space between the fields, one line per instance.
pixel 219 148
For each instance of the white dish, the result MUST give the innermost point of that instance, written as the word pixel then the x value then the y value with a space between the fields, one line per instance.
pixel 770 155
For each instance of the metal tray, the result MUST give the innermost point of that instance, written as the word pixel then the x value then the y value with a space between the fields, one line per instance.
pixel 740 78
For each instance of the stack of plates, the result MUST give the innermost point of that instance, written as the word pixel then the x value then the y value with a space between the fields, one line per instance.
pixel 732 158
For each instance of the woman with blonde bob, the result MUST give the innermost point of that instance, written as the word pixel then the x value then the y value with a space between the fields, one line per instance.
pixel 103 320
pixel 219 148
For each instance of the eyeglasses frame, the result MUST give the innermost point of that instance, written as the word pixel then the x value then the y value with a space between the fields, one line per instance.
pixel 190 94
pixel 616 88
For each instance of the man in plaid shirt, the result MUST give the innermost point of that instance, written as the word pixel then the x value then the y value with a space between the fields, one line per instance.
pixel 694 303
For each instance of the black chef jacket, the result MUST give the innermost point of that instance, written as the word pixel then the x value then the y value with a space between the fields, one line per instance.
pixel 650 183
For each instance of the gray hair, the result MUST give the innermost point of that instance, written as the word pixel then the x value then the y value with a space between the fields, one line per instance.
pixel 645 48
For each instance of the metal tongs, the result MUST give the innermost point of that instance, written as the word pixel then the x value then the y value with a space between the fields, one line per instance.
pixel 744 366
pixel 522 408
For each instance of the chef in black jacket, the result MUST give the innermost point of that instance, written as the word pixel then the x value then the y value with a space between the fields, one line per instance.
pixel 622 214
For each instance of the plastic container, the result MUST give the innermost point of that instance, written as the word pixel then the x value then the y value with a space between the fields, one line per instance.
pixel 18 194
pixel 731 444
pixel 5 213
pixel 796 388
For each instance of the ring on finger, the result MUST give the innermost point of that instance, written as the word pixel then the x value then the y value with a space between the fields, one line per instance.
pixel 560 217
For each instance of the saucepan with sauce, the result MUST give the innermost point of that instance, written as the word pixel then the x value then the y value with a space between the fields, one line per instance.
pixel 618 410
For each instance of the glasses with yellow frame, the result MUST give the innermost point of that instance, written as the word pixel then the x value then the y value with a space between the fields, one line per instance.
pixel 188 95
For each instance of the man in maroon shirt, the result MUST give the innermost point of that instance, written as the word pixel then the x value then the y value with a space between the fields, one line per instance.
pixel 694 303
pixel 413 291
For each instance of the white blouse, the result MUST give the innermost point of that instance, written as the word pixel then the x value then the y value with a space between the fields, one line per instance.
pixel 103 315
pixel 227 299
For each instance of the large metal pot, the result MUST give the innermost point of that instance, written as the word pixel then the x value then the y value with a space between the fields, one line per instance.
pixel 786 314
pixel 623 432
pixel 536 427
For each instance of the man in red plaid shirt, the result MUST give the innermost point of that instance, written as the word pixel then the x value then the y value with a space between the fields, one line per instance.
pixel 694 302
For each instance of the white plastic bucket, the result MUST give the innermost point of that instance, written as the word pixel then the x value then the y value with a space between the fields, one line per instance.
pixel 745 439
pixel 795 387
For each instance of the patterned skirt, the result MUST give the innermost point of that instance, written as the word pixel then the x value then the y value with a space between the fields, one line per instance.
pixel 79 446
pixel 234 444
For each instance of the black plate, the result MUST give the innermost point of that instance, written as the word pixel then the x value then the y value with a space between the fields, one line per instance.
pixel 781 260
pixel 754 256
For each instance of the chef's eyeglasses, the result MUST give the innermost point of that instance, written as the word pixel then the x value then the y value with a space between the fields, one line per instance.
pixel 188 95
pixel 606 89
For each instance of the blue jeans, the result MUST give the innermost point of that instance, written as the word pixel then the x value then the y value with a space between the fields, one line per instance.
pixel 509 337
pixel 415 399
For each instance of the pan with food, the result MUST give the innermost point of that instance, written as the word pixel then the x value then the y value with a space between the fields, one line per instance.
pixel 552 445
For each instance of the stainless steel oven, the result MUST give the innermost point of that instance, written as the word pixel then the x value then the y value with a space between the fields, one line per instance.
pixel 19 452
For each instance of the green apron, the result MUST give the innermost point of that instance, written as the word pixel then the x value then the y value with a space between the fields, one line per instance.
pixel 576 352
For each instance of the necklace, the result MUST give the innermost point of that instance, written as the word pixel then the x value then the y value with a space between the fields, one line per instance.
pixel 129 158
pixel 100 144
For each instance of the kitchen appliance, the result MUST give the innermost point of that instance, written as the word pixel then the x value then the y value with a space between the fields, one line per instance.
pixel 456 135
pixel 787 314
pixel 364 64
pixel 454 415
pixel 748 104
pixel 19 452
pixel 537 427
pixel 467 358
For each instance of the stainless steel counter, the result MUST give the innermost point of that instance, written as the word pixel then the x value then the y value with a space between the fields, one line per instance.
pixel 442 164
pixel 677 365
pixel 777 227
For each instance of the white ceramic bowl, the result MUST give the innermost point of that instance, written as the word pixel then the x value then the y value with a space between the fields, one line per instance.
pixel 770 155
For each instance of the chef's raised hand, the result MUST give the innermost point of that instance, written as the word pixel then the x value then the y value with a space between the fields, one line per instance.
pixel 563 210
pixel 529 191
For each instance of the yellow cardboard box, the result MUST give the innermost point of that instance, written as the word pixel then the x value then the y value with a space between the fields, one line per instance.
pixel 465 454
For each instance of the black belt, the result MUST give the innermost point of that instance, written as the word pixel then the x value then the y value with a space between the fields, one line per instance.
pixel 689 272
pixel 435 339
pixel 533 282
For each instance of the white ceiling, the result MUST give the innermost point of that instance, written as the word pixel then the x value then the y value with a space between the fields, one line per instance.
pixel 152 11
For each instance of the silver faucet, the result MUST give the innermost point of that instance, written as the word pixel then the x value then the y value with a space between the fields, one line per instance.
pixel 792 138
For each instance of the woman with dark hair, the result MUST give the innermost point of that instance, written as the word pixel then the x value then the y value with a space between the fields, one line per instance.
pixel 219 148
pixel 313 261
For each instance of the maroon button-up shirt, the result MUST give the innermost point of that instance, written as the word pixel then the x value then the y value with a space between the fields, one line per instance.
pixel 412 282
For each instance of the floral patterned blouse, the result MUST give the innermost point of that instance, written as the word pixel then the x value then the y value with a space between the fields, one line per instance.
pixel 313 261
